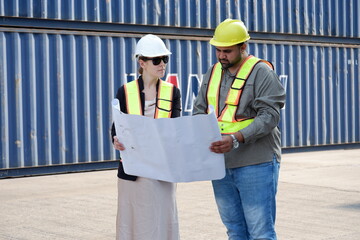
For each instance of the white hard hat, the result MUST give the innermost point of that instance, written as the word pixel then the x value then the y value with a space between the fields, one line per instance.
pixel 151 46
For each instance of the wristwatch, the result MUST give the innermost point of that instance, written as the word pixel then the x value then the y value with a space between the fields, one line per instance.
pixel 235 141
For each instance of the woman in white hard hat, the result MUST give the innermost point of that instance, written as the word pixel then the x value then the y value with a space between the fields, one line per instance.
pixel 147 207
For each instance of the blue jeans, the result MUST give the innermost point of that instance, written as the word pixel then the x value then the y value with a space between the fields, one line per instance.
pixel 246 201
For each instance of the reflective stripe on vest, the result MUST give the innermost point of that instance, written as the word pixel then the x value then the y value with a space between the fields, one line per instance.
pixel 133 101
pixel 163 104
pixel 164 100
pixel 227 121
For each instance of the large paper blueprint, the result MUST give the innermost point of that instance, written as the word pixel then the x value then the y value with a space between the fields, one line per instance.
pixel 169 149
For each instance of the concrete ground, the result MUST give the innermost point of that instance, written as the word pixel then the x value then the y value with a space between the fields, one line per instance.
pixel 318 198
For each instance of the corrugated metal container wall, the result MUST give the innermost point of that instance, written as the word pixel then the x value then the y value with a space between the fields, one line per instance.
pixel 322 85
pixel 56 92
pixel 56 82
pixel 323 17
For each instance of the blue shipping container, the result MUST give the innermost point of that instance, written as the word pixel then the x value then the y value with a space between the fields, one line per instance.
pixel 325 18
pixel 56 92
pixel 61 63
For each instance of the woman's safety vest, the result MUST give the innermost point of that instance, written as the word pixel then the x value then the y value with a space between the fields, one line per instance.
pixel 163 101
pixel 227 121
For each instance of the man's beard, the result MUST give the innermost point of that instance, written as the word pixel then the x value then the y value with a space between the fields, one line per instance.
pixel 227 64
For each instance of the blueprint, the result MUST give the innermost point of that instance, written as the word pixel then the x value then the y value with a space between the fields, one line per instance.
pixel 169 149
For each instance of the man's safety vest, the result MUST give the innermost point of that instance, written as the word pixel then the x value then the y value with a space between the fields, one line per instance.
pixel 163 101
pixel 227 120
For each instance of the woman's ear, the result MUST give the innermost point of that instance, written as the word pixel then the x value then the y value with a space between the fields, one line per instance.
pixel 141 63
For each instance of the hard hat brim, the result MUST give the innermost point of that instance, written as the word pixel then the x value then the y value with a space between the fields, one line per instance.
pixel 136 56
pixel 224 44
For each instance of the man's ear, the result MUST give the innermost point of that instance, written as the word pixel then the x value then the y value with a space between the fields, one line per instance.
pixel 243 46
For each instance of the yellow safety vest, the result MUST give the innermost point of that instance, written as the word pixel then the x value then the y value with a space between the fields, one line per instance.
pixel 227 121
pixel 163 100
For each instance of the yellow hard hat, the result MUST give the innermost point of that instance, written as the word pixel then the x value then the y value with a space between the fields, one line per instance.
pixel 230 32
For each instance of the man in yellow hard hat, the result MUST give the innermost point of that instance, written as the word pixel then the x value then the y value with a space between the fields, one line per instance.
pixel 247 97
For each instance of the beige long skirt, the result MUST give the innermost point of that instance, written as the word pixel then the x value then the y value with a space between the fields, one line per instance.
pixel 146 210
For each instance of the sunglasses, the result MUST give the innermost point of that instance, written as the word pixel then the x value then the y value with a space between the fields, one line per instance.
pixel 157 60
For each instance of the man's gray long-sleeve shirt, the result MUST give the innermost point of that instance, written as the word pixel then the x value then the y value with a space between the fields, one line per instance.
pixel 263 96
